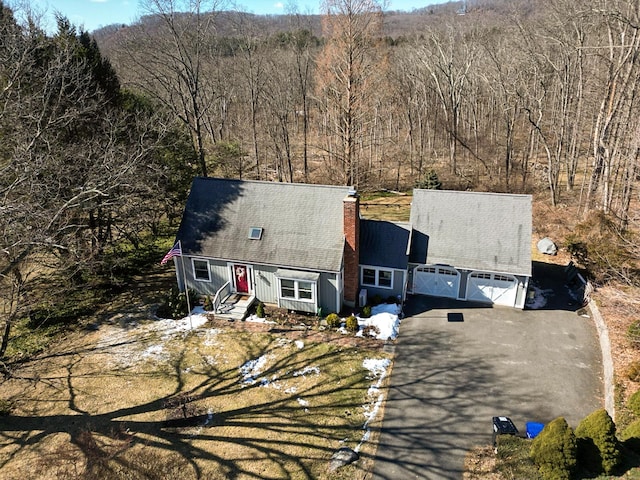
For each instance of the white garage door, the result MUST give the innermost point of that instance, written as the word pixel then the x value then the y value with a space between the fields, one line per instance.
pixel 436 280
pixel 492 288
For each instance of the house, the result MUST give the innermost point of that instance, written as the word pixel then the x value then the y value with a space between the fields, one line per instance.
pixel 294 245
pixel 304 247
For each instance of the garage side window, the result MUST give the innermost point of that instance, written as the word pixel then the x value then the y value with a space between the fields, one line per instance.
pixel 376 277
pixel 201 270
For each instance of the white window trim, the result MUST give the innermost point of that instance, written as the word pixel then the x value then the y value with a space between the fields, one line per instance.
pixel 377 282
pixel 193 269
pixel 297 291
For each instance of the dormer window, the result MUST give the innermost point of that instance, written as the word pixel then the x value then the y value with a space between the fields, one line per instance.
pixel 255 233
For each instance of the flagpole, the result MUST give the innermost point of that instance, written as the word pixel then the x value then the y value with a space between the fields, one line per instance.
pixel 186 286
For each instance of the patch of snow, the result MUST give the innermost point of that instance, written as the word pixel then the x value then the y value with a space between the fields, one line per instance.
pixel 539 299
pixel 251 369
pixel 128 347
pixel 255 319
pixel 378 368
pixel 307 371
pixel 271 383
pixel 391 308
pixel 154 351
pixel 171 328
pixel 299 344
pixel 387 323
pixel 209 418
pixel 291 390
pixel 208 421
pixel 303 402
pixel 210 336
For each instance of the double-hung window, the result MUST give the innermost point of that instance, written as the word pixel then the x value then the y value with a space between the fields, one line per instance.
pixel 376 277
pixel 296 289
pixel 201 270
pixel 297 285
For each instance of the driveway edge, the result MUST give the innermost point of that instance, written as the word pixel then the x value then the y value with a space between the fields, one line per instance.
pixel 607 360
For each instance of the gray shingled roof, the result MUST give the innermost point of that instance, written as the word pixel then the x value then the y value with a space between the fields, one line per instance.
pixel 302 224
pixel 478 231
pixel 384 244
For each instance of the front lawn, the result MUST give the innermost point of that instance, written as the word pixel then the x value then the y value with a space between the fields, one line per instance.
pixel 158 399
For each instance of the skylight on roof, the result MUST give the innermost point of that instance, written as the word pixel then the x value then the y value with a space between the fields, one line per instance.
pixel 255 233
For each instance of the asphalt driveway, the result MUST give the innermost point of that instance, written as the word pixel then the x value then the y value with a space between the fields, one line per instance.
pixel 452 373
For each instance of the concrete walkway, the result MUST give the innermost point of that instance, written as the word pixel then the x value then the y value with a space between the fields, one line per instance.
pixel 457 366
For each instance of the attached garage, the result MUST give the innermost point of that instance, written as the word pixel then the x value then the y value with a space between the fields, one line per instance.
pixel 492 288
pixel 436 280
pixel 471 246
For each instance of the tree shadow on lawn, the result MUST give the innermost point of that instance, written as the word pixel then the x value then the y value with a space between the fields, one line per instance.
pixel 258 421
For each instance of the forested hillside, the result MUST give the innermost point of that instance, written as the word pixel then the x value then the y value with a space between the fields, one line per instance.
pixel 501 98
pixel 100 137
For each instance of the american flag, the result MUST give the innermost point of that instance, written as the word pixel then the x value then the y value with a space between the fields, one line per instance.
pixel 176 251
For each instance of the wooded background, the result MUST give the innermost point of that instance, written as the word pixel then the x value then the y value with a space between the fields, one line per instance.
pixel 500 98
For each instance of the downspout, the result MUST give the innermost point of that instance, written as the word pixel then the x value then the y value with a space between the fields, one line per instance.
pixel 338 291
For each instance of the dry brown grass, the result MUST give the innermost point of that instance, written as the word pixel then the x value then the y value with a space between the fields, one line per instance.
pixel 390 207
pixel 480 463
pixel 100 405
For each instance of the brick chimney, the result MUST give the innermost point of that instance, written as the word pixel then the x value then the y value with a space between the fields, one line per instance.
pixel 351 219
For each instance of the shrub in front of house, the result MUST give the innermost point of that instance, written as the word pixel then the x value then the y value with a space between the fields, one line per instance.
pixel 376 300
pixel 630 436
pixel 351 324
pixel 366 311
pixel 598 448
pixel 260 310
pixel 175 305
pixel 554 451
pixel 208 303
pixel 633 403
pixel 333 320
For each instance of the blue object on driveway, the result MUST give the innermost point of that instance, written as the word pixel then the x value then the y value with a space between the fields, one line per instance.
pixel 533 429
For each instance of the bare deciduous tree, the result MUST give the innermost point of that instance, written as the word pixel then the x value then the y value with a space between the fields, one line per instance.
pixel 347 69
pixel 169 53
pixel 447 59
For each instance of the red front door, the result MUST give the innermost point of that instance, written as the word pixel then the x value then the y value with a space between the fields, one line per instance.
pixel 241 276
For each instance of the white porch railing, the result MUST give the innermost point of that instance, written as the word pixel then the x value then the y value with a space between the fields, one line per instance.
pixel 222 293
